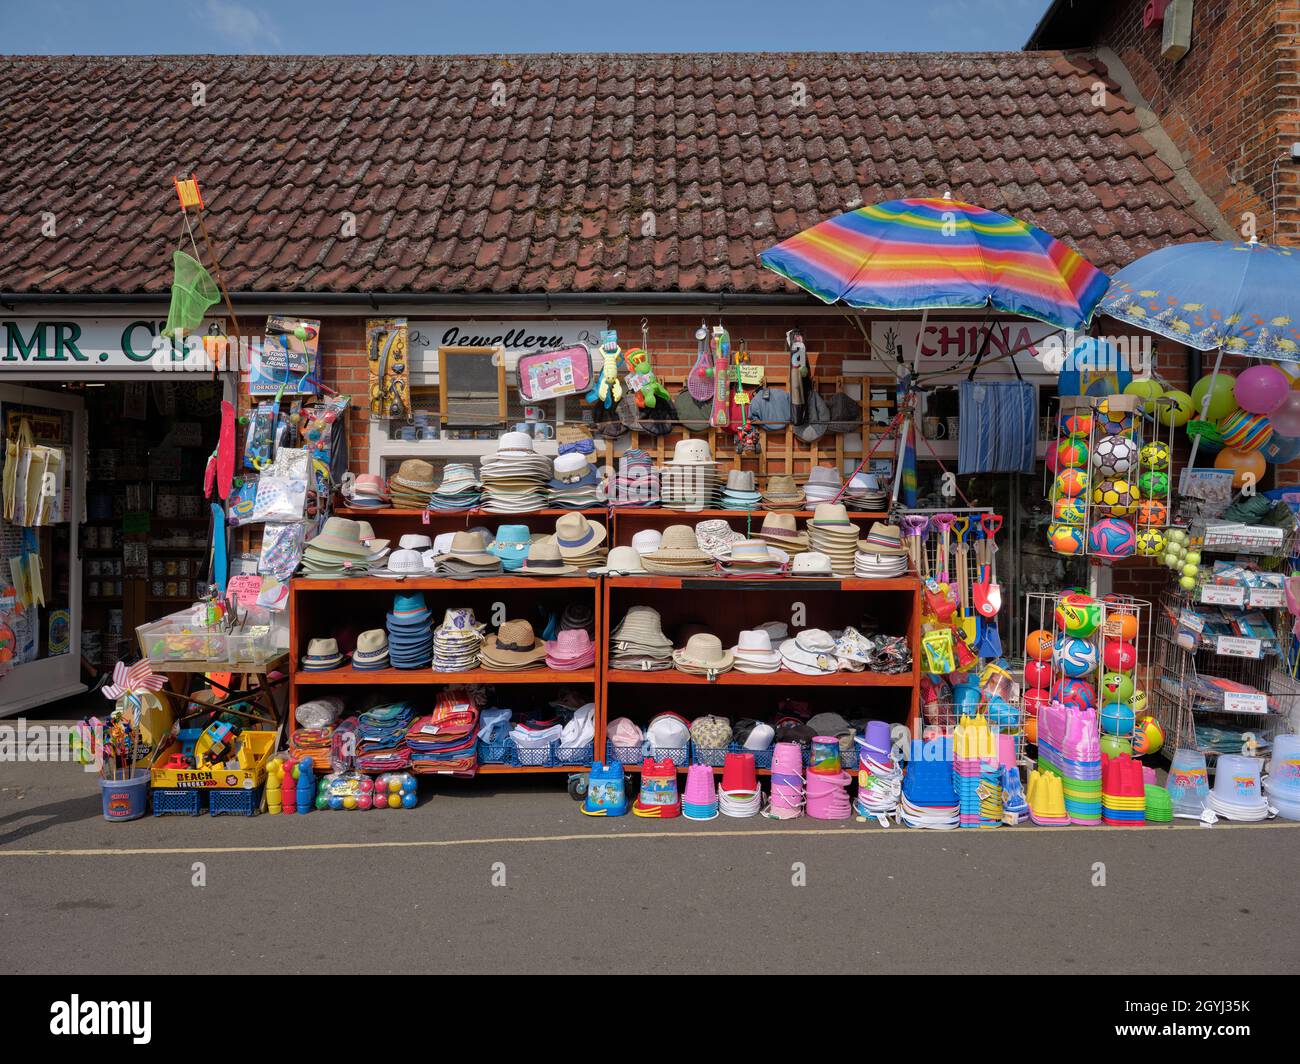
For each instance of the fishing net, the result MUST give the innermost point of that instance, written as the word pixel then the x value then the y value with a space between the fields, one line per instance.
pixel 193 292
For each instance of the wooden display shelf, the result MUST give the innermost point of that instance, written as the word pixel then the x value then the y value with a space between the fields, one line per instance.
pixel 766 583
pixel 441 583
pixel 691 516
pixel 768 679
pixel 425 676
pixel 395 511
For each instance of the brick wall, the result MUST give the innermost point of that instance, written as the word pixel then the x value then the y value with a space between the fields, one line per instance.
pixel 1231 105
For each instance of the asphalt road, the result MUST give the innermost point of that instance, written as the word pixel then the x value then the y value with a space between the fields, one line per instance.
pixel 508 876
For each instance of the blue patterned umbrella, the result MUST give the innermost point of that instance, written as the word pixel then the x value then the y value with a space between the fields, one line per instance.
pixel 1241 298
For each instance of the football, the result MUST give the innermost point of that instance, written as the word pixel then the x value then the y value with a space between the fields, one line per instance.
pixel 1115 497
pixel 1115 455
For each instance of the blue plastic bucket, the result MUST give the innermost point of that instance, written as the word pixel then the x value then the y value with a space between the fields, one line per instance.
pixel 128 798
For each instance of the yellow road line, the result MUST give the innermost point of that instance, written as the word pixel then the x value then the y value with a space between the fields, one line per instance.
pixel 398 844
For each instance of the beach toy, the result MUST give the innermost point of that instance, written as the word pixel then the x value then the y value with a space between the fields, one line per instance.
pixel 880 781
pixel 1065 539
pixel 1148 736
pixel 739 794
pixel 1033 699
pixel 1219 387
pixel 1119 656
pixel 1069 483
pixel 1159 806
pixel 1112 537
pixel 1237 793
pixel 1074 657
pixel 1071 453
pixel 828 795
pixel 1244 465
pixel 607 790
pixel 1077 614
pixel 1115 455
pixel 1245 431
pixel 1069 512
pixel 1075 424
pixel 1116 687
pixel 787 781
pixel 1117 718
pixel 1071 692
pixel 825 753
pixel 658 798
pixel 1154 455
pixel 1046 799
pixel 1038 645
pixel 1284 767
pixel 1188 783
pixel 1260 389
pixel 1123 792
pixel 305 786
pixel 700 798
pixel 939 651
pixel 1120 625
pixel 1038 674
pixel 1116 745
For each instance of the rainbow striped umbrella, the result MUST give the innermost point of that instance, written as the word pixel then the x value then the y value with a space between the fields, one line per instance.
pixel 929 254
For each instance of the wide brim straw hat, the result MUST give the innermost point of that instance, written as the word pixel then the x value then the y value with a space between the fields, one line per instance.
pixel 883 539
pixel 468 547
pixel 642 625
pixel 621 561
pixel 514 644
pixel 544 559
pixel 679 544
pixel 782 529
pixel 577 536
pixel 704 651
pixel 341 536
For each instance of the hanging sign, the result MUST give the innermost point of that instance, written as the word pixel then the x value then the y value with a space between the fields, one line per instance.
pixel 951 344
pixel 517 338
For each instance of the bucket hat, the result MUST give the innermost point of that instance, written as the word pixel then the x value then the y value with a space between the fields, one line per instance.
pixel 544 559
pixel 647 541
pixel 577 536
pixel 716 537
pixel 511 545
pixel 811 652
pixel 811 563
pixel 703 653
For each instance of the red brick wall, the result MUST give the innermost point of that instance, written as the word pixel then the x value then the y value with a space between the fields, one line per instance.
pixel 1231 105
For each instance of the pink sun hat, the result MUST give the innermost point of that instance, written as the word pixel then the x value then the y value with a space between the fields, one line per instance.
pixel 571 649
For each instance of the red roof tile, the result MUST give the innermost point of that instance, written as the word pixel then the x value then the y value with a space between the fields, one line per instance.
pixel 550 188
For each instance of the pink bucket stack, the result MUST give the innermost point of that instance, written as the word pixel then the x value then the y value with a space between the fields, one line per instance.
pixel 787 781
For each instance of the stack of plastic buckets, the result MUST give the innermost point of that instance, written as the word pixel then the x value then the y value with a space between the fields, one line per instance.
pixel 1188 784
pixel 1283 783
pixel 700 799
pixel 1069 746
pixel 1237 794
pixel 1123 794
pixel 658 799
pixel 975 753
pixel 740 794
pixel 827 782
pixel 880 777
pixel 787 781
pixel 929 799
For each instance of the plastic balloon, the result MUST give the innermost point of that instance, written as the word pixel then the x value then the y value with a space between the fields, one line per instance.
pixel 1242 463
pixel 1222 400
pixel 1178 410
pixel 1286 418
pixel 1281 449
pixel 1261 389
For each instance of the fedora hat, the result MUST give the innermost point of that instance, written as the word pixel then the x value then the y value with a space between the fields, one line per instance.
pixel 370 485
pixel 883 539
pixel 513 645
pixel 372 649
pixel 577 536
pixel 544 559
pixel 692 452
pixel 782 529
pixel 414 473
pixel 468 547
pixel 341 536
pixel 704 653
pixel 622 561
pixel 403 563
pixel 571 646
pixel 741 481
pixel 415 541
pixel 322 654
pixel 832 516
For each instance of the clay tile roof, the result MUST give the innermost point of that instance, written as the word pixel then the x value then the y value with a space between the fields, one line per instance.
pixel 541 173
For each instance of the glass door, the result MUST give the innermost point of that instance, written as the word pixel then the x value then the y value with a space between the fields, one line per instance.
pixel 40 563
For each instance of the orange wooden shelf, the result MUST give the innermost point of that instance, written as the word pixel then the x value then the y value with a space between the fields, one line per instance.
pixel 386 511
pixel 770 679
pixel 389 677
pixel 689 517
pixel 774 583
pixel 440 583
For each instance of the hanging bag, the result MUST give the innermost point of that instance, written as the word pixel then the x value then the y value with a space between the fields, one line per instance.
pixel 15 450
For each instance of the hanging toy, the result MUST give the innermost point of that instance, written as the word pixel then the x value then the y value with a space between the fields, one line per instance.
pixel 721 416
pixel 700 381
pixel 607 390
pixel 641 380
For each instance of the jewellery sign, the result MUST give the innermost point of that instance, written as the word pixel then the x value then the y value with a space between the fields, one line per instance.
pixel 517 338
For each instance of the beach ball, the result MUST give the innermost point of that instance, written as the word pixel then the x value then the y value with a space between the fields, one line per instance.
pixel 1074 657
pixel 1115 454
pixel 1245 432
pixel 1121 626
pixel 1222 401
pixel 1115 497
pixel 1069 483
pixel 1154 484
pixel 1175 408
pixel 1245 465
pixel 1117 718
pixel 1077 693
pixel 1116 746
pixel 1148 736
pixel 1116 687
pixel 1119 656
pixel 1038 645
pixel 1112 537
pixel 1065 539
pixel 1076 424
pixel 1155 454
pixel 1260 389
pixel 1152 512
pixel 1112 422
pixel 1077 615
pixel 1034 699
pixel 1069 512
pixel 1281 449
pixel 1145 388
pixel 1038 674
pixel 1150 542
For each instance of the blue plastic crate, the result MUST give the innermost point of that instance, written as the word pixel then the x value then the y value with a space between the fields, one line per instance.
pixel 497 752
pixel 235 803
pixel 175 802
pixel 623 755
pixel 715 756
pixel 575 755
pixel 680 755
pixel 533 757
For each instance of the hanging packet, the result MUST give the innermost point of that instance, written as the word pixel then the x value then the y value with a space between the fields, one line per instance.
pixel 259 445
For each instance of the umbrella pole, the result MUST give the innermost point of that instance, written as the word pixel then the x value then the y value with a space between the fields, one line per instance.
pixel 1205 407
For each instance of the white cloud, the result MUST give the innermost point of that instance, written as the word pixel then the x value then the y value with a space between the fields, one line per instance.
pixel 243 26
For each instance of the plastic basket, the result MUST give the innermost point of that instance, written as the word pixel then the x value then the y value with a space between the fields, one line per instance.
pixel 170 802
pixel 762 758
pixel 235 803
pixel 715 756
pixel 497 752
pixel 533 757
pixel 680 755
pixel 575 755
pixel 623 755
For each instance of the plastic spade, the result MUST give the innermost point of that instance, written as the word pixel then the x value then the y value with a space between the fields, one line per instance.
pixel 988 593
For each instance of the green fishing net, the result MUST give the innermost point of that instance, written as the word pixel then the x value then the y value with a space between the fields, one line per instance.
pixel 193 292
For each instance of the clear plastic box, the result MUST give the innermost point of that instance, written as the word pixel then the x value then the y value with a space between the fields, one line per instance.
pixel 177 638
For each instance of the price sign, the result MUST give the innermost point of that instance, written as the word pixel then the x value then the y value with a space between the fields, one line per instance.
pixel 1223 595
pixel 1234 646
pixel 1245 703
pixel 1266 597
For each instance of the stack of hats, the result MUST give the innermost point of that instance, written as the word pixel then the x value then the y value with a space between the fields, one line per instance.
pixel 511 546
pixel 412 484
pixel 1123 792
pixel 740 492
pixel 690 480
pixel 635 483
pixel 445 742
pixel 467 558
pixel 754 557
pixel 639 642
pixel 782 493
pixel 739 795
pixel 513 648
pixel 402 563
pixel 381 738
pixel 753 653
pixel 571 649
pixel 716 537
pixel 339 550
pixel 973 745
pixel 880 776
pixel 410 632
pixel 1069 746
pixel 832 533
pixel 366 492
pixel 456 642
pixel 810 653
pixel 881 555
pixel 322 656
pixel 581 542
pixel 782 531
pixel 459 491
pixel 515 477
pixel 823 485
pixel 575 482
pixel 863 492
pixel 371 653
pixel 703 655
pixel 1237 793
pixel 928 799
pixel 700 798
pixel 544 559
pixel 787 798
pixel 678 554
pixel 647 541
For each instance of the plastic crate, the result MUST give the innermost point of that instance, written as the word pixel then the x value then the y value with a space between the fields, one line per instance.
pixel 762 758
pixel 170 802
pixel 623 755
pixel 497 752
pixel 533 757
pixel 680 755
pixel 715 756
pixel 575 755
pixel 235 803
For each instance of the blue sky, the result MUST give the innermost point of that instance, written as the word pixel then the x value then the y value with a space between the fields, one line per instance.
pixel 440 27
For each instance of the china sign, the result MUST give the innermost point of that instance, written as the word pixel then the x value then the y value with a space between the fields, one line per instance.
pixel 949 344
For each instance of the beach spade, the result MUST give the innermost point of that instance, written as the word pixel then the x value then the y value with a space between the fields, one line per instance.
pixel 988 592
